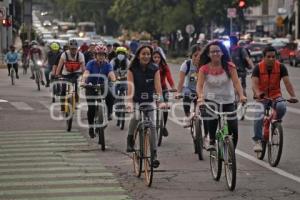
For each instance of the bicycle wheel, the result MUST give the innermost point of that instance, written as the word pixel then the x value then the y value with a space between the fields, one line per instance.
pixel 215 162
pixel 148 158
pixel 275 145
pixel 37 80
pixel 12 75
pixel 122 116
pixel 69 114
pixel 138 151
pixel 229 164
pixel 198 138
pixel 159 127
pixel 101 135
pixel 261 154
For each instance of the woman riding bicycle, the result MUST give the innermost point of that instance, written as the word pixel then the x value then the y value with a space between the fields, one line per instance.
pixel 165 74
pixel 97 70
pixel 143 82
pixel 217 81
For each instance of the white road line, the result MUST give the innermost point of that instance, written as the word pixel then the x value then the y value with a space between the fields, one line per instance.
pixel 293 110
pixel 3 101
pixel 267 166
pixel 21 106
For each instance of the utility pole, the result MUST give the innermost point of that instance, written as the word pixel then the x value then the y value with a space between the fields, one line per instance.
pixel 296 19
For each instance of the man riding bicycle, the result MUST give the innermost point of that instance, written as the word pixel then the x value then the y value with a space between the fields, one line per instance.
pixel 266 79
pixel 51 58
pixel 70 66
pixel 35 57
pixel 241 60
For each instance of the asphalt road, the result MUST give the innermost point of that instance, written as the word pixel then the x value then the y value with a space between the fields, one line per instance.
pixel 180 176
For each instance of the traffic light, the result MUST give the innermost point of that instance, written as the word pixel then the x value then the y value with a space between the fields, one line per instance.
pixel 6 22
pixel 242 4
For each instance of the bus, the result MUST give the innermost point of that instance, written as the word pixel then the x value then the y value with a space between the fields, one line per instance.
pixel 86 29
pixel 63 27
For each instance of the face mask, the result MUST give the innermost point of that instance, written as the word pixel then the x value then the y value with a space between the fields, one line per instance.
pixel 121 57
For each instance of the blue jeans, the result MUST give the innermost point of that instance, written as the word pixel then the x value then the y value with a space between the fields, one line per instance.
pixel 258 123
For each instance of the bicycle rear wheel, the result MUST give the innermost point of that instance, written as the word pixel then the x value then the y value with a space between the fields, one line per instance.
pixel 69 114
pixel 138 152
pixel 12 75
pixel 198 139
pixel 100 127
pixel 230 164
pixel 275 145
pixel 215 162
pixel 148 158
pixel 37 80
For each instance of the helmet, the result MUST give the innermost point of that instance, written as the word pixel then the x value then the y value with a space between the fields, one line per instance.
pixel 101 49
pixel 73 43
pixel 54 46
pixel 33 42
pixel 121 50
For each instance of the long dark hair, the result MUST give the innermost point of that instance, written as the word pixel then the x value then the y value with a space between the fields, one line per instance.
pixel 135 63
pixel 163 63
pixel 225 59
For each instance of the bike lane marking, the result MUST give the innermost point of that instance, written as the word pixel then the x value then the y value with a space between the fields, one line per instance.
pixel 21 106
pixel 267 166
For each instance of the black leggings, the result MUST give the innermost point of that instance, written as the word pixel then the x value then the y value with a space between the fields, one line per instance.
pixel 232 122
pixel 91 104
pixel 15 66
pixel 166 99
pixel 187 100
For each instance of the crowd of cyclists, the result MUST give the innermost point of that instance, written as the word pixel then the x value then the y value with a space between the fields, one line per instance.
pixel 212 73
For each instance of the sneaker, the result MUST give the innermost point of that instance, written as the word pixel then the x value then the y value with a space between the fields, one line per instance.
pixel 47 85
pixel 257 146
pixel 91 132
pixel 32 77
pixel 156 162
pixel 42 82
pixel 17 76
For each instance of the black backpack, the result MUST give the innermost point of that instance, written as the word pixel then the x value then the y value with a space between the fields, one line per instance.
pixel 238 59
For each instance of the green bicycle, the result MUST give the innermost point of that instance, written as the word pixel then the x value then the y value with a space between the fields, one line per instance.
pixel 224 151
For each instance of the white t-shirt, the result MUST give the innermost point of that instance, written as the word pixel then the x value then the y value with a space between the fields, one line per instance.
pixel 80 59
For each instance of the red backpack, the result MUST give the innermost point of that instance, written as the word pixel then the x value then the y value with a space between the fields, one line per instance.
pixel 72 66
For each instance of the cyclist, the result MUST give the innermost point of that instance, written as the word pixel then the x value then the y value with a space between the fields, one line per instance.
pixel 217 82
pixel 90 53
pixel 112 52
pixel 71 65
pixel 51 58
pixel 155 47
pixel 165 74
pixel 241 60
pixel 97 66
pixel 35 56
pixel 266 79
pixel 120 65
pixel 143 81
pixel 26 52
pixel 188 80
pixel 12 58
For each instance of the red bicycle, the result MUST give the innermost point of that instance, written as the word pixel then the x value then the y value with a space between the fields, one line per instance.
pixel 272 132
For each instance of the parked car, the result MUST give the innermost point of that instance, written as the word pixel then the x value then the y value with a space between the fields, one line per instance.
pixel 285 50
pixel 256 51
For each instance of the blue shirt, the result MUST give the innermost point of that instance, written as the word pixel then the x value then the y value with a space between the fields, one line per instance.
pixel 97 69
pixel 11 57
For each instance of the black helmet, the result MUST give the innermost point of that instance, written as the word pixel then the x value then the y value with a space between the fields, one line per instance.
pixel 73 43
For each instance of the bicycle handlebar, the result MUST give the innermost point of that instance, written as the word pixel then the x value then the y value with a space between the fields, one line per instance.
pixel 222 113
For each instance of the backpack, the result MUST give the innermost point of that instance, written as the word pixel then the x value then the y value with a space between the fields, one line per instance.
pixel 72 66
pixel 238 59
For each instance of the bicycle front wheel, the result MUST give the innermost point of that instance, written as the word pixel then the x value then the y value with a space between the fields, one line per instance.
pixel 159 127
pixel 69 114
pixel 229 164
pixel 215 162
pixel 100 127
pixel 261 154
pixel 12 75
pixel 138 152
pixel 275 144
pixel 198 139
pixel 37 80
pixel 148 158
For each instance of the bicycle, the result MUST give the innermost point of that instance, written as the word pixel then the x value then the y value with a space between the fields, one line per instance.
pixel 143 147
pixel 160 125
pixel 99 114
pixel 274 141
pixel 56 88
pixel 12 73
pixel 196 126
pixel 121 103
pixel 38 73
pixel 224 151
pixel 69 100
